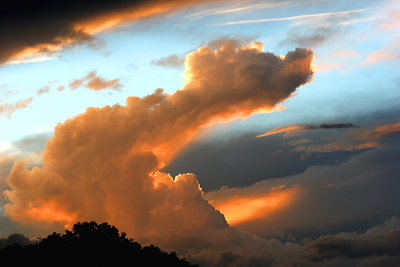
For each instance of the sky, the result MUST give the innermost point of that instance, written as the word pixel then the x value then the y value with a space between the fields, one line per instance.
pixel 236 133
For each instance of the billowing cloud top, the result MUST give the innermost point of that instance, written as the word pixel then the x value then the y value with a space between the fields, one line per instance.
pixel 104 164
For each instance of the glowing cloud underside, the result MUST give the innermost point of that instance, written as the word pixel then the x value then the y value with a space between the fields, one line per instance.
pixel 239 209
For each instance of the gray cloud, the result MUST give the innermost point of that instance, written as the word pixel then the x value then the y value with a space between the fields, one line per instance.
pixel 310 37
pixel 174 61
pixel 33 143
pixel 220 162
pixel 14 239
pixel 317 31
pixel 353 246
pixel 330 126
pixel 344 197
pixel 342 249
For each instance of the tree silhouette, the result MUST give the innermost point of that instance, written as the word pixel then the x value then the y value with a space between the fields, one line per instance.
pixel 88 244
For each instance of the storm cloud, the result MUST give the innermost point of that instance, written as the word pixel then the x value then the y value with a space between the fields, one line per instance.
pixel 104 164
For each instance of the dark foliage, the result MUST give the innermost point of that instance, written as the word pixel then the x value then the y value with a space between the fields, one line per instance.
pixel 88 244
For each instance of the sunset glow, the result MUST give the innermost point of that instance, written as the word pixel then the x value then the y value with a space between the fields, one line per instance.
pixel 47 212
pixel 234 133
pixel 290 129
pixel 246 208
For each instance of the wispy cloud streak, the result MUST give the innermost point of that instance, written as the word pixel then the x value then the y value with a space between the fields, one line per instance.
pixel 215 11
pixel 9 109
pixel 339 13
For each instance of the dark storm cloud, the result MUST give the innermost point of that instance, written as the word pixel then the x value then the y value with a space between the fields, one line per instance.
pixel 220 162
pixel 44 24
pixel 14 239
pixel 332 246
pixel 377 246
pixel 330 126
pixel 28 23
pixel 351 196
pixel 28 149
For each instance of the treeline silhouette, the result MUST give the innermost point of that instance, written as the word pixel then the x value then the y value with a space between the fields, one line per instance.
pixel 88 244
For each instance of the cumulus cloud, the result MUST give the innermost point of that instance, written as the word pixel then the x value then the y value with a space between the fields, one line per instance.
pixel 94 82
pixel 28 149
pixel 104 164
pixel 9 109
pixel 33 29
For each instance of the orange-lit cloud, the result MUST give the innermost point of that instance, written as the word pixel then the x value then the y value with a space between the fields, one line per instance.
pixel 355 139
pixel 288 130
pixel 104 164
pixel 44 89
pixel 239 207
pixel 9 109
pixel 112 19
pixel 390 53
pixel 99 83
pixel 344 53
pixel 33 32
pixel 94 82
pixel 295 129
